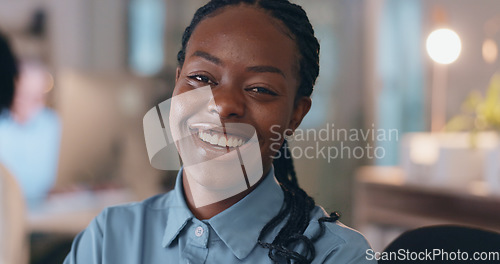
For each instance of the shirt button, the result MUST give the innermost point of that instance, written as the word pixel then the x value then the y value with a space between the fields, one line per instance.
pixel 199 231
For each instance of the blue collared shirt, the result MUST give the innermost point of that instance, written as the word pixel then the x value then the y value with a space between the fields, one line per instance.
pixel 162 229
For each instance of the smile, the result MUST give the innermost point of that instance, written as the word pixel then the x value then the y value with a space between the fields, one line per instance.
pixel 220 139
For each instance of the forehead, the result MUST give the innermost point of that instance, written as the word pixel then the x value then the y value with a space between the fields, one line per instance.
pixel 245 33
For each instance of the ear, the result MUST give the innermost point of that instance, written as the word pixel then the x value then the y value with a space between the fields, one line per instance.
pixel 302 106
pixel 177 74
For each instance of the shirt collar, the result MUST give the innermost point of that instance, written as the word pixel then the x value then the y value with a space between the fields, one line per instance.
pixel 238 226
pixel 178 214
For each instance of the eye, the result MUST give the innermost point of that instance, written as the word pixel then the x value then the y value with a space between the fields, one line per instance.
pixel 202 78
pixel 261 90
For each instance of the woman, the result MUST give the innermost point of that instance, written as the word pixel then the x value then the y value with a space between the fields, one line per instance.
pixel 259 61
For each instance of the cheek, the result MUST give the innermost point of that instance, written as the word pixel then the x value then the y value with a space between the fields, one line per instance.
pixel 274 136
pixel 273 124
pixel 186 102
pixel 181 86
pixel 178 89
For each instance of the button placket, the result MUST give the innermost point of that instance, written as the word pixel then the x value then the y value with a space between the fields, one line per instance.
pixel 199 231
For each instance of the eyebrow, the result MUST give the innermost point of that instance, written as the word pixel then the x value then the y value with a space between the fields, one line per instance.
pixel 258 69
pixel 207 56
pixel 270 69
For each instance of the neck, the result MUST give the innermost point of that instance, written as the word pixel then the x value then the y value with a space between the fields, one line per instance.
pixel 23 115
pixel 19 118
pixel 194 192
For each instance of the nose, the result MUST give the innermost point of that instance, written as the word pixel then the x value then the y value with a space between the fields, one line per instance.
pixel 228 102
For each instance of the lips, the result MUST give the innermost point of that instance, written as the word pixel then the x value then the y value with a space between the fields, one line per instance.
pixel 204 141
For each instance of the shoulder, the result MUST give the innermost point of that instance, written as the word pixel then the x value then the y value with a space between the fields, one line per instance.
pixel 5 117
pixel 130 222
pixel 49 113
pixel 154 203
pixel 123 226
pixel 132 213
pixel 336 231
pixel 339 243
pixel 48 116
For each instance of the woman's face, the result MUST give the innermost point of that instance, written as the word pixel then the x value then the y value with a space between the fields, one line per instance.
pixel 251 64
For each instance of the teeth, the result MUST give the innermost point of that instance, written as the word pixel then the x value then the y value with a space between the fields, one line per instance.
pixel 220 140
pixel 214 140
pixel 230 142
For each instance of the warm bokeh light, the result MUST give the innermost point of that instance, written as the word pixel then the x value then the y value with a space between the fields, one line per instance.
pixel 424 149
pixel 444 46
pixel 490 51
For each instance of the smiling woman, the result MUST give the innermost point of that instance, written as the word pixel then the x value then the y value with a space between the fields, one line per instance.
pixel 253 64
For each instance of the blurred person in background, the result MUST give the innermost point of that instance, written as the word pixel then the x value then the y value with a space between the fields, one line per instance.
pixel 29 132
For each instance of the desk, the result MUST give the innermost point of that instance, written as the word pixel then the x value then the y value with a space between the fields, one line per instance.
pixel 384 200
pixel 70 213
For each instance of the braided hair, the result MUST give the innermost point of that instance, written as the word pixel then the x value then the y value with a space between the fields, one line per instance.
pixel 8 74
pixel 297 204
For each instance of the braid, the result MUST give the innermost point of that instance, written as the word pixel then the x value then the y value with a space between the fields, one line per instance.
pixel 297 208
pixel 296 20
pixel 297 204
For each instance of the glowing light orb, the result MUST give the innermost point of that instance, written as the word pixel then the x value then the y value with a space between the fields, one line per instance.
pixel 444 46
